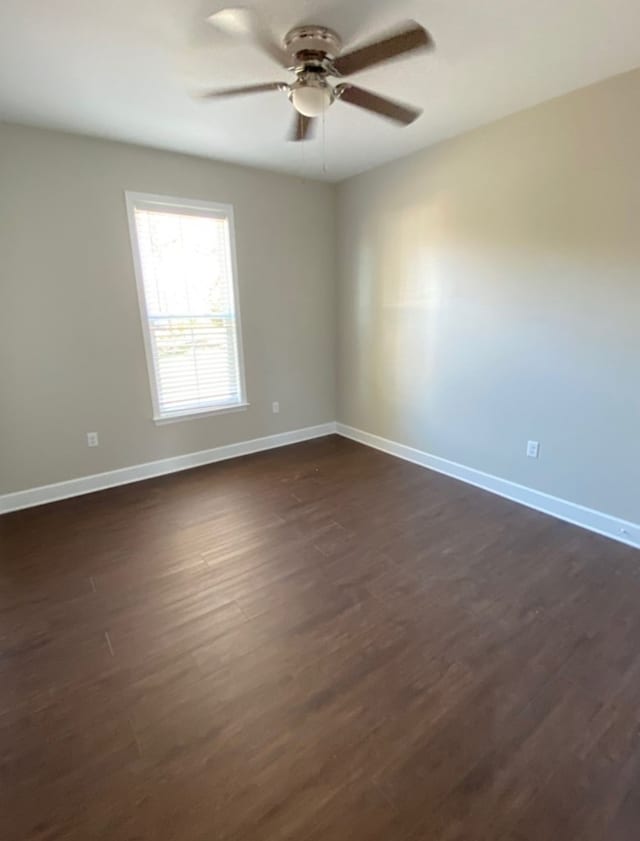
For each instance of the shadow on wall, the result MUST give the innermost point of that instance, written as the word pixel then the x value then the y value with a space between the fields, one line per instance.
pixel 399 302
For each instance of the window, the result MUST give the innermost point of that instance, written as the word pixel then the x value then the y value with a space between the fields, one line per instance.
pixel 185 268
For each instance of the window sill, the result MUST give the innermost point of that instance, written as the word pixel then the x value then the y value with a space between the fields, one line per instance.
pixel 204 413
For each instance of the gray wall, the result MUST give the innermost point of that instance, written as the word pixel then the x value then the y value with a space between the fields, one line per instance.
pixel 490 294
pixel 71 347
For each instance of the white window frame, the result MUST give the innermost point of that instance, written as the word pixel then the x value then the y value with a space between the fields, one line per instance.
pixel 151 201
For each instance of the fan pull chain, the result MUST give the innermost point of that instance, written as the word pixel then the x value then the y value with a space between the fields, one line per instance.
pixel 324 141
pixel 303 155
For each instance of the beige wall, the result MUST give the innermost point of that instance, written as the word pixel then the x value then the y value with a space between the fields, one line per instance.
pixel 71 347
pixel 490 294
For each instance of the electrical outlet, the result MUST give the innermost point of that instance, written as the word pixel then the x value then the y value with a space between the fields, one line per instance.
pixel 533 449
pixel 92 439
pixel 275 407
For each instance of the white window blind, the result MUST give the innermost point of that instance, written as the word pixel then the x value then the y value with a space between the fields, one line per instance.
pixel 186 284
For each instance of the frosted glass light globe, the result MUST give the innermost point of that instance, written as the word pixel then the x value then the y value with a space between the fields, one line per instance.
pixel 311 100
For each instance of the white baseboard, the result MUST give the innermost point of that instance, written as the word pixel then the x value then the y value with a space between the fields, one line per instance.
pixel 579 515
pixel 135 473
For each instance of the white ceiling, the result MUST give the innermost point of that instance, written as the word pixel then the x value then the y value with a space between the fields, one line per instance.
pixel 125 69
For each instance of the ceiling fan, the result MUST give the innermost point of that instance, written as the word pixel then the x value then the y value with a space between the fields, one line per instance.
pixel 314 53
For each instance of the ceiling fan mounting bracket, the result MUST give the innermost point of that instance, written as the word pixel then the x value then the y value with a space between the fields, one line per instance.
pixel 319 42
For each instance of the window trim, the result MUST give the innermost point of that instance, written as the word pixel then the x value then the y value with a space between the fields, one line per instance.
pixel 152 201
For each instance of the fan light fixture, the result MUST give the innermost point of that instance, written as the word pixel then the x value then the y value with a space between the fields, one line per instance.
pixel 311 100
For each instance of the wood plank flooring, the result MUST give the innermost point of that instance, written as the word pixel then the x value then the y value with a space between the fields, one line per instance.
pixel 318 643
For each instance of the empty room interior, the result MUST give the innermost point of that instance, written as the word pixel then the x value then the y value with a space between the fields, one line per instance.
pixel 320 420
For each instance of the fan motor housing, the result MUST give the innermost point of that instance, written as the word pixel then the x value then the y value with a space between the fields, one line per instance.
pixel 310 41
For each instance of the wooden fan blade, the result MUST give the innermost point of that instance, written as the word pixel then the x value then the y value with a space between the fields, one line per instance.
pixel 396 111
pixel 302 128
pixel 413 37
pixel 269 86
pixel 245 23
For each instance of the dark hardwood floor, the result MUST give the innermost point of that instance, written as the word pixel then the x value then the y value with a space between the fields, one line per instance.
pixel 318 643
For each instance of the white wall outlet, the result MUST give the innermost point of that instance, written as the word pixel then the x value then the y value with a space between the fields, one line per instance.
pixel 92 439
pixel 275 407
pixel 533 449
